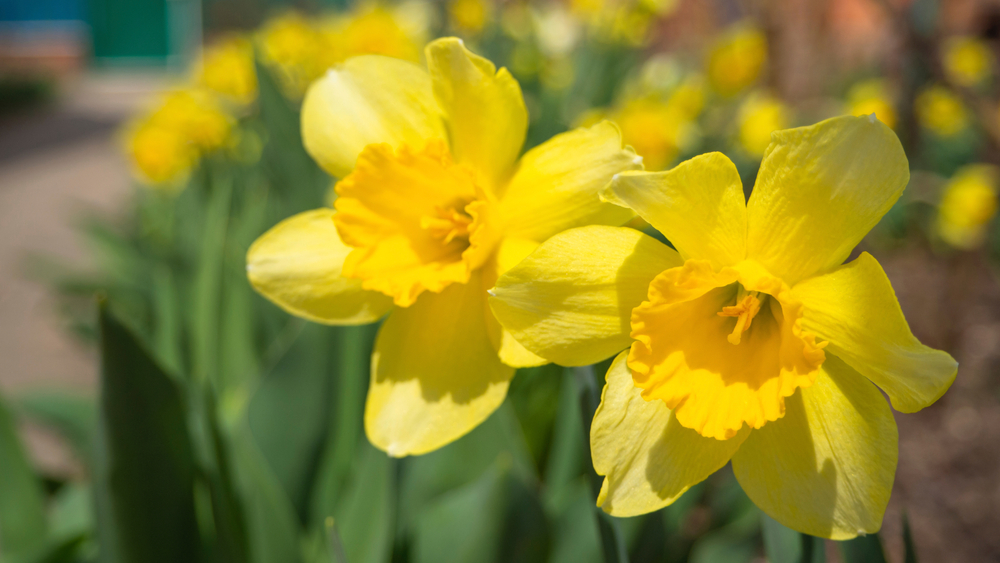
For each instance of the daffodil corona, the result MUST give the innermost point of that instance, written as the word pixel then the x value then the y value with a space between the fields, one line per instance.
pixel 752 342
pixel 433 204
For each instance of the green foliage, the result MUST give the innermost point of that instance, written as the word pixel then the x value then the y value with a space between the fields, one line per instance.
pixel 145 463
pixel 22 511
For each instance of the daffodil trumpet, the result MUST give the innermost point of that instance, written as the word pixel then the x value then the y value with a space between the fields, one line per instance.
pixel 752 342
pixel 433 204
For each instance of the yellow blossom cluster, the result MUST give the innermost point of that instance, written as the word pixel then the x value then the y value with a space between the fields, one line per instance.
pixel 168 141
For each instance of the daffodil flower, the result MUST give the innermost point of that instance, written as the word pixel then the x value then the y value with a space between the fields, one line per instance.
pixel 968 204
pixel 433 204
pixel 752 342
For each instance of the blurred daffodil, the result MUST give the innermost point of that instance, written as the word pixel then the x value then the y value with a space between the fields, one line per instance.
pixel 659 129
pixel 736 59
pixel 433 203
pixel 871 96
pixel 160 156
pixel 968 61
pixel 371 31
pixel 759 116
pixel 301 50
pixel 296 50
pixel 469 16
pixel 968 205
pixel 939 110
pixel 752 342
pixel 227 68
pixel 626 22
pixel 167 142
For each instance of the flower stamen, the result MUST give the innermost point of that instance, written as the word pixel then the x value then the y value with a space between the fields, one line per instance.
pixel 448 223
pixel 746 308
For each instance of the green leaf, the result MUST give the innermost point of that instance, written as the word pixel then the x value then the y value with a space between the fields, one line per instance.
pixel 567 460
pixel 534 394
pixel 146 464
pixel 366 515
pixel 720 546
pixel 612 540
pixel 464 525
pixel 22 501
pixel 206 310
pixel 289 412
pixel 910 548
pixel 167 313
pixel 863 549
pixel 784 545
pixel 462 462
pixel 272 527
pixel 575 535
pixel 351 368
pixel 71 514
pixel 72 416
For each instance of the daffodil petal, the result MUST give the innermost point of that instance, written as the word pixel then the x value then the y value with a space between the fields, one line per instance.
pixel 570 301
pixel 484 108
pixel 648 459
pixel 819 191
pixel 368 99
pixel 297 265
pixel 855 309
pixel 698 205
pixel 557 183
pixel 435 371
pixel 826 468
pixel 515 355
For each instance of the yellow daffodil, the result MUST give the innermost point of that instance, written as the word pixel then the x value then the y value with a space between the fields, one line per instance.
pixel 166 143
pixel 759 116
pixel 752 342
pixel 625 22
pixel 968 61
pixel 227 68
pixel 871 96
pixel 160 156
pixel 656 130
pixel 301 50
pixel 433 203
pixel 659 129
pixel 469 15
pixel 940 111
pixel 736 59
pixel 370 31
pixel 296 50
pixel 968 205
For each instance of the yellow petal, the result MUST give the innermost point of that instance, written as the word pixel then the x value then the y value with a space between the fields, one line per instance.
pixel 435 372
pixel 855 309
pixel 297 265
pixel 571 299
pixel 509 253
pixel 826 468
pixel 515 355
pixel 819 191
pixel 484 108
pixel 648 459
pixel 699 206
pixel 365 100
pixel 557 183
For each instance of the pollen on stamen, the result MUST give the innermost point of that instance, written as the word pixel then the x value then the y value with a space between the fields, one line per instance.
pixel 745 310
pixel 872 118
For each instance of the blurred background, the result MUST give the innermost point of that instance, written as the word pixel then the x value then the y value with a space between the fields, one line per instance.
pixel 155 409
